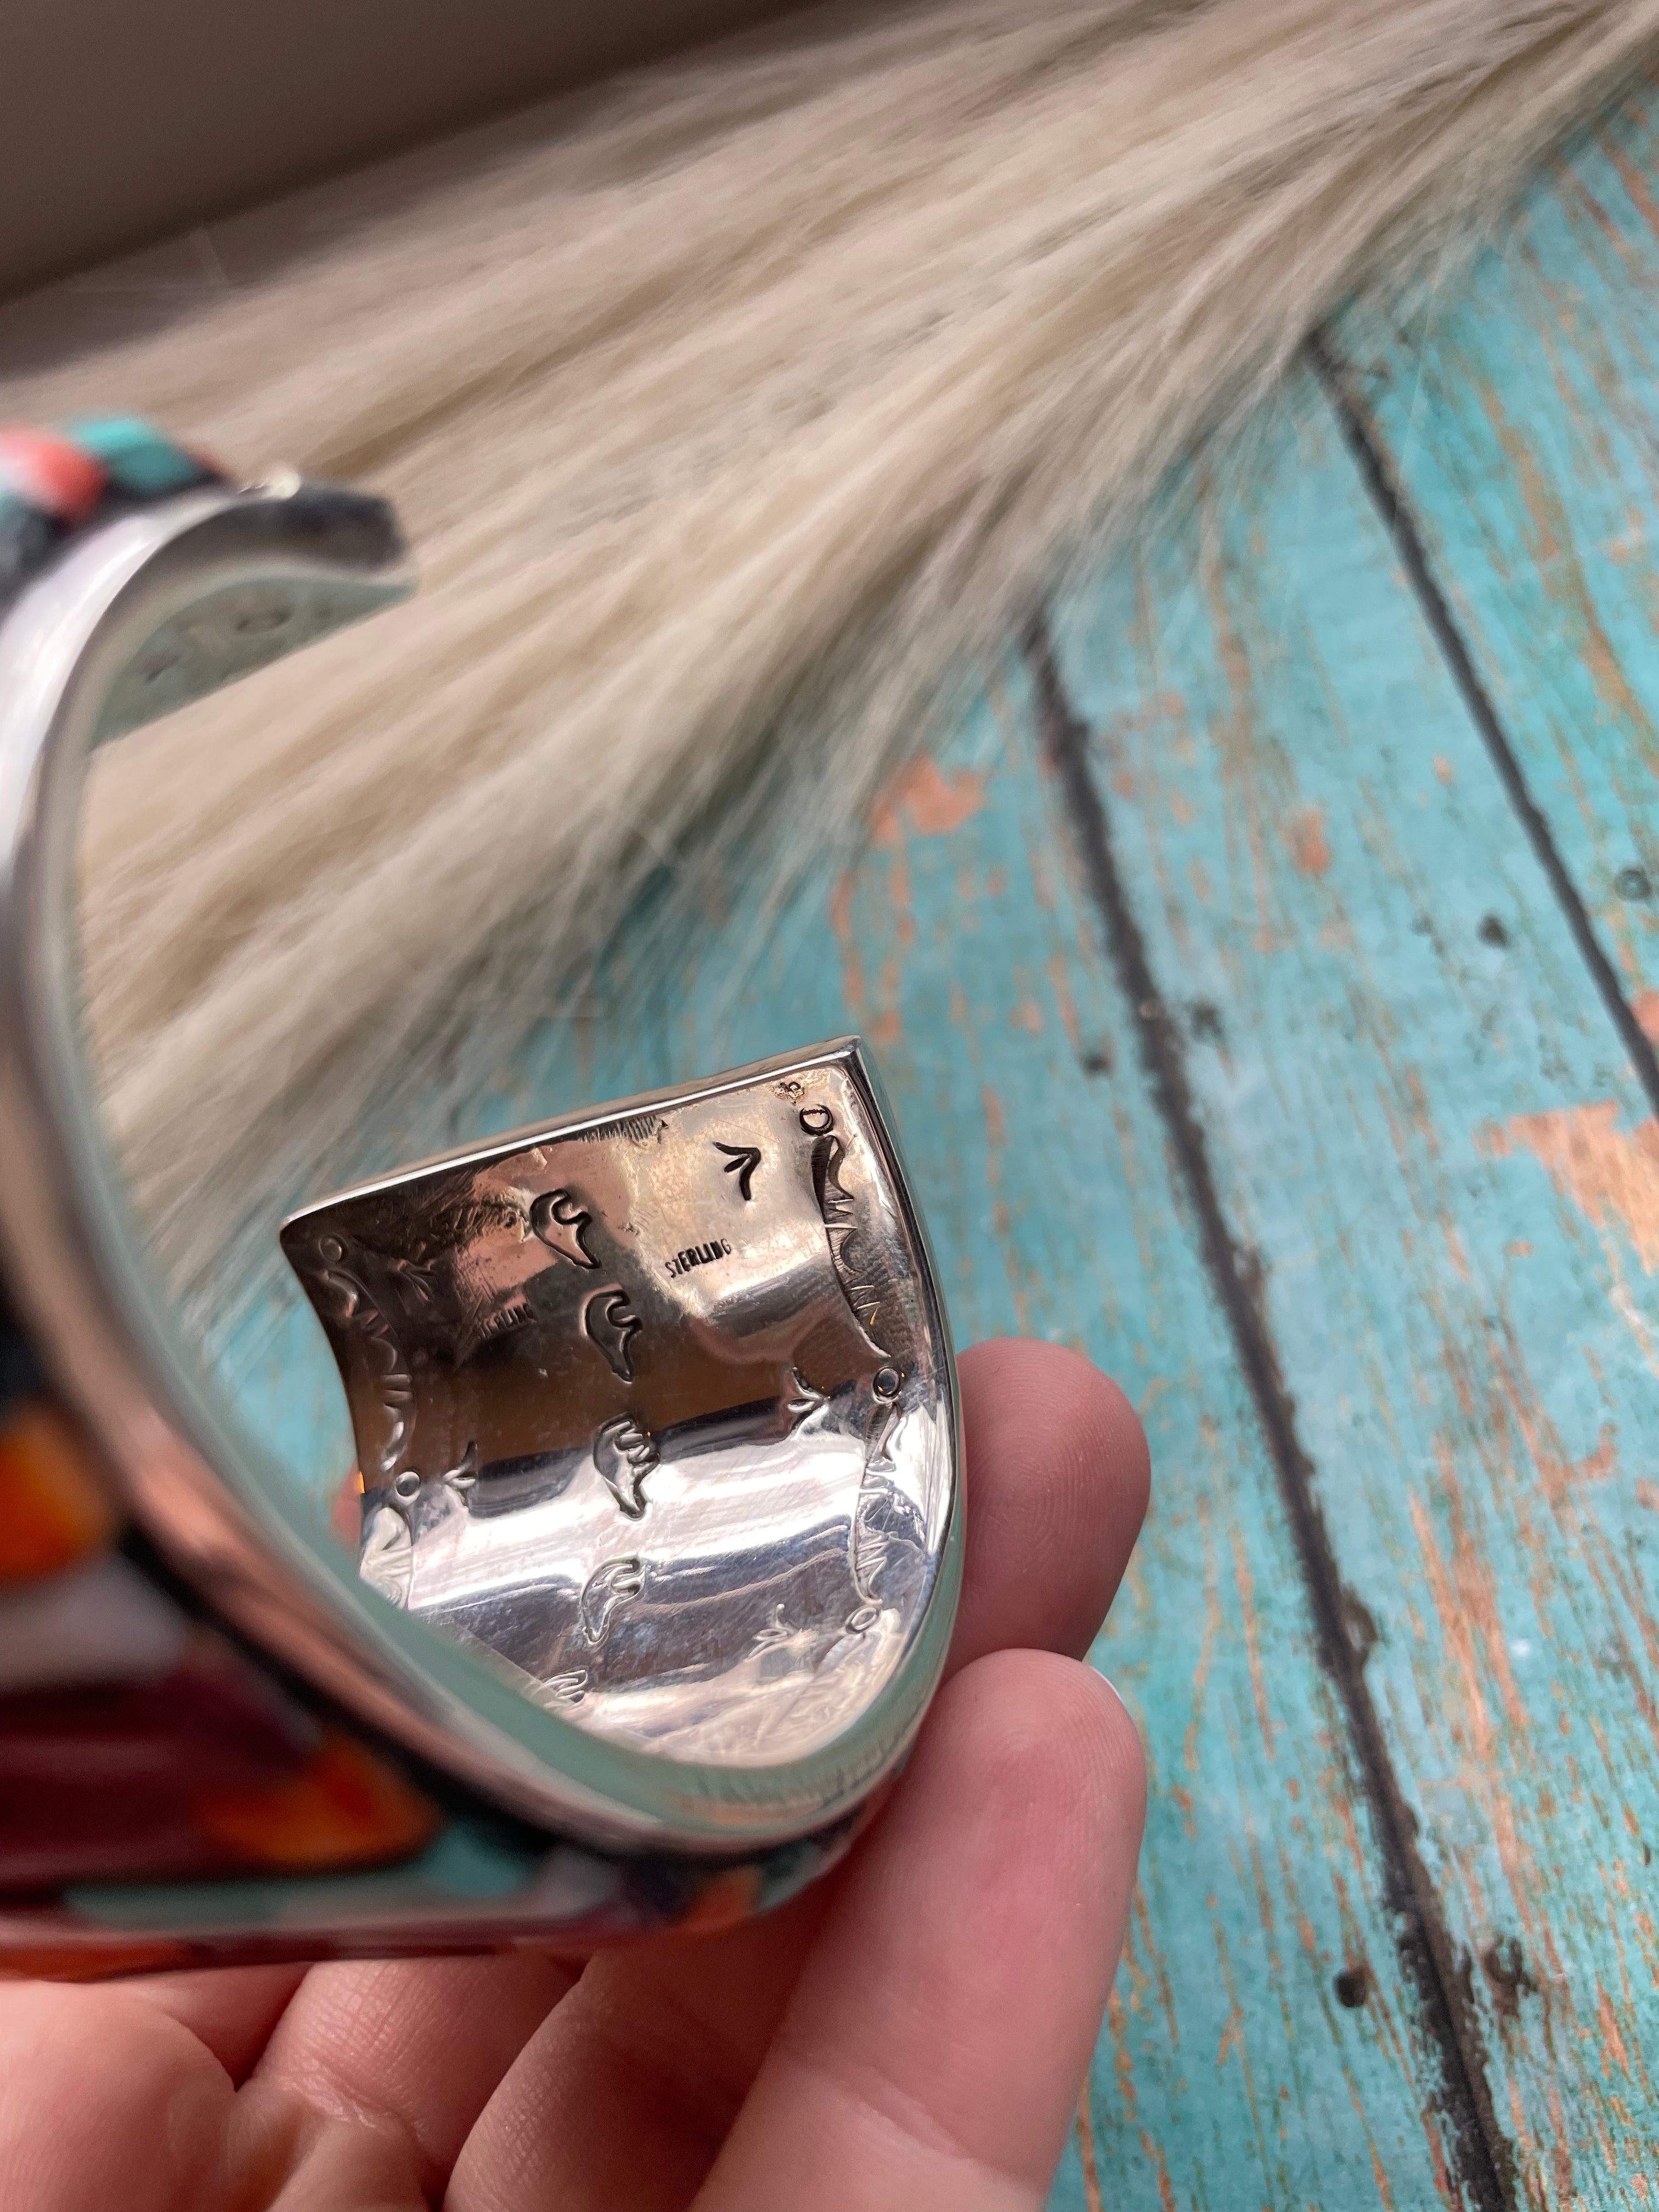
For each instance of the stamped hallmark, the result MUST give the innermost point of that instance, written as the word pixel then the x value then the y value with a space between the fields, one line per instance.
pixel 624 1454
pixel 606 1588
pixel 683 1391
pixel 697 1256
pixel 741 1160
pixel 612 1324
pixel 558 1220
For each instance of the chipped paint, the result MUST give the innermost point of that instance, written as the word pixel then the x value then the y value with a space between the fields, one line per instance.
pixel 1088 2159
pixel 1493 1504
pixel 1452 1242
pixel 1610 1173
pixel 841 922
pixel 926 801
pixel 1310 847
pixel 1065 1003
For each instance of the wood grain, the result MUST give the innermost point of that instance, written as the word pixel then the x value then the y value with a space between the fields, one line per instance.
pixel 1420 1123
pixel 1517 413
pixel 1296 1101
pixel 1234 2070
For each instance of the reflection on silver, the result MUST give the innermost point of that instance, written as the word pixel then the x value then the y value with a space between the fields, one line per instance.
pixel 655 1405
pixel 486 1388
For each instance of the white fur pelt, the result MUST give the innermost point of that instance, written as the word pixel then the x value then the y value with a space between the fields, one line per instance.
pixel 730 409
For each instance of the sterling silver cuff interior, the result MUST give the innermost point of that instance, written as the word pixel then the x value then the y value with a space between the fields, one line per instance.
pixel 637 1593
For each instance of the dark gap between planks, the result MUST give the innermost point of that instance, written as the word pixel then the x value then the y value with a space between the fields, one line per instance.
pixel 1406 540
pixel 1482 2159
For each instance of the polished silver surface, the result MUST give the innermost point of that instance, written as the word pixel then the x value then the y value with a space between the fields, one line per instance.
pixel 760 1444
pixel 656 1408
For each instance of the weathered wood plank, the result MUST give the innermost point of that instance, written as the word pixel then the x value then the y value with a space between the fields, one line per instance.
pixel 1417 1113
pixel 1232 2072
pixel 1518 414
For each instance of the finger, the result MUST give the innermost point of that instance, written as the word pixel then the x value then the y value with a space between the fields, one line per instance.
pixel 933 2049
pixel 1056 1486
pixel 162 2102
pixel 231 2010
pixel 627 2090
pixel 413 2046
pixel 1056 1483
pixel 638 2074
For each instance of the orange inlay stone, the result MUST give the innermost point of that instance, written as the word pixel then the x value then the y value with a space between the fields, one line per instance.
pixel 53 1511
pixel 726 1898
pixel 344 1808
pixel 345 1516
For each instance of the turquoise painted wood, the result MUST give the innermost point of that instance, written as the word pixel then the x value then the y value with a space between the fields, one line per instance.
pixel 1230 2073
pixel 1419 1117
pixel 1518 412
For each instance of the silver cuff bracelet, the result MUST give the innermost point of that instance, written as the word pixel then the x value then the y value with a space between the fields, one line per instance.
pixel 654 1533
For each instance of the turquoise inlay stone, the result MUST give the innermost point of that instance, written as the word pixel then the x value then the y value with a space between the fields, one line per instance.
pixel 470 1862
pixel 138 460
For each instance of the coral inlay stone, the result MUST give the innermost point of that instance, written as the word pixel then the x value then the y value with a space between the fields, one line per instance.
pixel 51 473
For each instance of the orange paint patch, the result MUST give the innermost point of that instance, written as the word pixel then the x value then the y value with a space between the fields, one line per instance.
pixel 1310 847
pixel 935 803
pixel 996 1133
pixel 1244 1584
pixel 841 921
pixel 1442 768
pixel 1206 1642
pixel 1087 2155
pixel 1467 1595
pixel 1610 1173
pixel 1559 1473
pixel 1561 573
pixel 1455 1251
pixel 1309 850
pixel 1631 177
pixel 1613 2042
pixel 1646 1007
pixel 1060 984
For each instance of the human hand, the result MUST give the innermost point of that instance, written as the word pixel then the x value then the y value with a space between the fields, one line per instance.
pixel 911 2033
